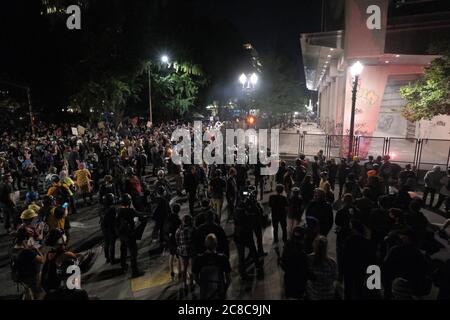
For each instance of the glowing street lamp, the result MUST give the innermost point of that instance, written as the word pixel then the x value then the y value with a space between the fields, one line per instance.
pixel 165 59
pixel 243 79
pixel 254 79
pixel 356 70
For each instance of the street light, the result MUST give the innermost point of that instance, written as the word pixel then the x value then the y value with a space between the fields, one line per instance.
pixel 243 79
pixel 254 79
pixel 356 70
pixel 165 60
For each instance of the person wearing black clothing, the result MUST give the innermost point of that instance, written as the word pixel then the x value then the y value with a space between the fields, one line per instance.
pixel 380 223
pixel 407 177
pixel 322 211
pixel 107 187
pixel 7 201
pixel 129 233
pixel 368 165
pixel 299 173
pixel 200 218
pixel 191 185
pixel 294 263
pixel 173 223
pixel 107 224
pixel 256 213
pixel 343 172
pixel 307 190
pixel 407 262
pixel 278 203
pixel 359 253
pixel 316 171
pixel 141 161
pixel 217 188
pixel 279 176
pixel 210 227
pixel 364 205
pixel 295 210
pixel 160 214
pixel 243 237
pixel 241 176
pixel 212 271
pixel 343 229
pixel 231 193
pixel 332 169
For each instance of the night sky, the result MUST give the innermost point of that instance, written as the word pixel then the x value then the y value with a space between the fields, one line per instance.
pixel 31 56
pixel 268 24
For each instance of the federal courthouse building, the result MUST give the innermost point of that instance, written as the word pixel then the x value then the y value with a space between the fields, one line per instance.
pixel 392 39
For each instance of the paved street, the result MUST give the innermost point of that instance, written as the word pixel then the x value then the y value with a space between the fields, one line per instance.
pixel 104 281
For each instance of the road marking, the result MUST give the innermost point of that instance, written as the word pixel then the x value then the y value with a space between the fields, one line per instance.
pixel 76 224
pixel 146 282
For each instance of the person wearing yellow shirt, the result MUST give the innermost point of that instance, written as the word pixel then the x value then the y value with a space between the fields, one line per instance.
pixel 67 182
pixel 83 182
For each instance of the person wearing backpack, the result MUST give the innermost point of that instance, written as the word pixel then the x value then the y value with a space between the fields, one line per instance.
pixel 26 262
pixel 212 271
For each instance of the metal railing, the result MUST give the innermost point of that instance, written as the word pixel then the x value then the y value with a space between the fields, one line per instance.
pixel 420 153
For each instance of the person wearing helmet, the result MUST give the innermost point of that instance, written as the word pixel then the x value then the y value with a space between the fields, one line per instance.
pixel 30 219
pixel 129 233
pixel 107 224
pixel 106 187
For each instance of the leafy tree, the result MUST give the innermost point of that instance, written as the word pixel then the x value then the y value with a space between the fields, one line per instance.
pixel 430 95
pixel 280 91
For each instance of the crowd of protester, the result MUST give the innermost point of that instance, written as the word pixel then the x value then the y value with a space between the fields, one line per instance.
pixel 372 206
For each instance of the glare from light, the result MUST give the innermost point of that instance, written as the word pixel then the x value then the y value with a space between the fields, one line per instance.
pixel 165 59
pixel 397 56
pixel 243 79
pixel 356 69
pixel 254 79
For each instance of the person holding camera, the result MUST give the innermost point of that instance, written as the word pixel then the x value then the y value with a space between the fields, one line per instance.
pixel 243 237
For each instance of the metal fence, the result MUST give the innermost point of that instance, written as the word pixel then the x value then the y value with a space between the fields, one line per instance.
pixel 421 153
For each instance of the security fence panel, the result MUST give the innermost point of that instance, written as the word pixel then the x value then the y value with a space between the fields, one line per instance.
pixel 370 146
pixel 403 150
pixel 289 144
pixel 313 143
pixel 434 152
pixel 337 146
